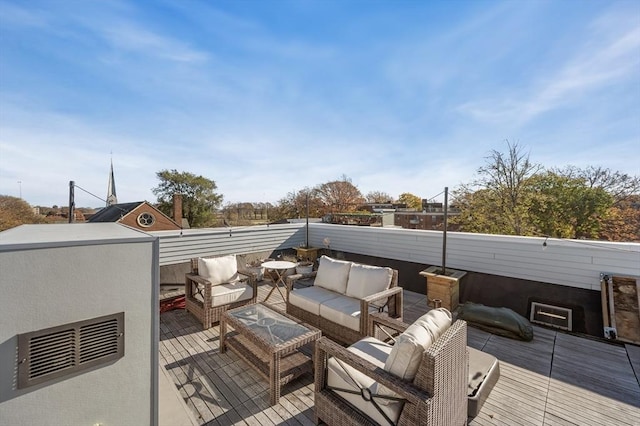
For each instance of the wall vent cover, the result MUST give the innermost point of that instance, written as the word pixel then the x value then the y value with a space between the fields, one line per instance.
pixel 553 316
pixel 54 352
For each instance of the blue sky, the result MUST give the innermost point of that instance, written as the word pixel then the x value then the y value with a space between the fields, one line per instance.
pixel 269 97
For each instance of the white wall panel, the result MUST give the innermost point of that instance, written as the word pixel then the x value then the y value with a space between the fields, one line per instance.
pixel 574 263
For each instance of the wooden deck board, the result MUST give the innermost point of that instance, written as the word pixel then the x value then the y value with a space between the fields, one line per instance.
pixel 556 380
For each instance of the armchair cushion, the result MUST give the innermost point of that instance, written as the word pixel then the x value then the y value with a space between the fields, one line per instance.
pixel 365 280
pixel 342 376
pixel 333 274
pixel 406 355
pixel 219 270
pixel 225 294
pixel 344 311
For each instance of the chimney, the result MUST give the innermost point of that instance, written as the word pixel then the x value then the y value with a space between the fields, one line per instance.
pixel 177 208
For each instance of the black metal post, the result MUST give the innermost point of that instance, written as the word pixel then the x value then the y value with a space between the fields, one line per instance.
pixel 72 202
pixel 444 231
pixel 306 243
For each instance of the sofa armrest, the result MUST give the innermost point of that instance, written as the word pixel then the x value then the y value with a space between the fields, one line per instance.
pixel 326 348
pixel 385 294
pixel 381 320
pixel 253 282
pixel 394 295
pixel 198 279
pixel 291 279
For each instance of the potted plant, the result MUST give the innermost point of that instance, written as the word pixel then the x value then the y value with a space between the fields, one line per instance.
pixel 255 267
pixel 304 267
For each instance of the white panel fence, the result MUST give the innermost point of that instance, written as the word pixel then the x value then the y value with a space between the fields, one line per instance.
pixel 574 263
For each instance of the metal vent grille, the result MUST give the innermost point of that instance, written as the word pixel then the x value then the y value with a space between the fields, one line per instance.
pixel 554 316
pixel 58 351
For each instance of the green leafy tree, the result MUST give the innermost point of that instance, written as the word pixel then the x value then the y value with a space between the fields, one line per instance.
pixel 199 199
pixel 567 207
pixel 620 186
pixel 412 201
pixel 479 212
pixel 623 221
pixel 15 211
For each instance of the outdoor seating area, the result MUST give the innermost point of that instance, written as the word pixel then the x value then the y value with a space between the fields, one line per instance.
pixel 557 378
pixel 339 292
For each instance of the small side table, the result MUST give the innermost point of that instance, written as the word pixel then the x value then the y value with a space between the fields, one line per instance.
pixel 279 267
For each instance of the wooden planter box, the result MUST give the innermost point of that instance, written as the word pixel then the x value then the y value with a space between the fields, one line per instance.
pixel 445 288
pixel 310 253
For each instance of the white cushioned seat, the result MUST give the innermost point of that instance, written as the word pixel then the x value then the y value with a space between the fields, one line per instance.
pixel 365 280
pixel 219 270
pixel 406 355
pixel 342 376
pixel 343 310
pixel 332 274
pixel 223 294
pixel 310 298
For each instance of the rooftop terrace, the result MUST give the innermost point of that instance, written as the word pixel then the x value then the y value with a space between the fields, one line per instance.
pixel 556 379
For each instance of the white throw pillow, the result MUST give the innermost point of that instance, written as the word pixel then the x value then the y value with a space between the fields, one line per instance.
pixel 218 270
pixel 406 355
pixel 365 280
pixel 333 274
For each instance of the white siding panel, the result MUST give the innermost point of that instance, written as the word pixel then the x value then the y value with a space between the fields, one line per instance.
pixel 564 262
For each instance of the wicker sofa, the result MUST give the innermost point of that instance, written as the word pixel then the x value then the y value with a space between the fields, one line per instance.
pixel 421 379
pixel 215 285
pixel 340 292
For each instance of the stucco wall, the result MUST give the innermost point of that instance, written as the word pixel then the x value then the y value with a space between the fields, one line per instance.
pixel 46 287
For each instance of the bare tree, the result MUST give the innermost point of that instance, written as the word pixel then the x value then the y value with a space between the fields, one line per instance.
pixel 378 197
pixel 340 195
pixel 506 175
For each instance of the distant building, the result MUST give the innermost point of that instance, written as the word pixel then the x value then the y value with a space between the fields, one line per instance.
pixel 141 215
pixel 111 190
pixel 382 207
pixel 433 220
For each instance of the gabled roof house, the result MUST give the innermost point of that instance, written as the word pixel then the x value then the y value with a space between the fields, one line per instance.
pixel 141 215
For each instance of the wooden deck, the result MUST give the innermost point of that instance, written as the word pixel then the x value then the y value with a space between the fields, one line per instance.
pixel 556 379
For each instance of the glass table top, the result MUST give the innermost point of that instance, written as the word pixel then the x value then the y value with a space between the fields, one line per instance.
pixel 268 324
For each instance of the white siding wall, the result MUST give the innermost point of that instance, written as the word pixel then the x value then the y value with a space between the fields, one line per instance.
pixel 573 263
pixel 178 248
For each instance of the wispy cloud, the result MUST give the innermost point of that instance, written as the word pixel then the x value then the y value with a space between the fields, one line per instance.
pixel 126 36
pixel 609 54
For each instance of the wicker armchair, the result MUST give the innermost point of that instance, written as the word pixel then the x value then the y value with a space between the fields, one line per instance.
pixel 436 396
pixel 208 296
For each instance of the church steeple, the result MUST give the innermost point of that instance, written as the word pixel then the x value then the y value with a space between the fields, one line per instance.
pixel 111 191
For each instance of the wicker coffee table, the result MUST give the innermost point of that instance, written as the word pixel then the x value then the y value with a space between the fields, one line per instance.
pixel 268 341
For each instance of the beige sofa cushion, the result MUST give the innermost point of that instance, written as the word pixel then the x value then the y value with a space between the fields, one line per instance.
pixel 218 270
pixel 332 274
pixel 406 355
pixel 310 298
pixel 365 280
pixel 344 311
pixel 342 376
